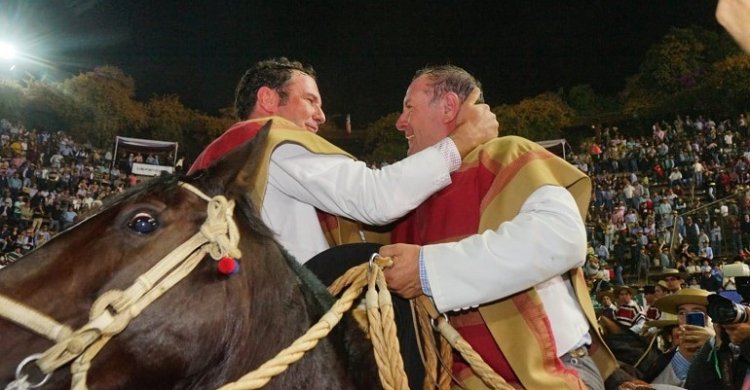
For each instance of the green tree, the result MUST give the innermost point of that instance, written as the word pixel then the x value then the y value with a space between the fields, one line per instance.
pixel 166 118
pixel 46 107
pixel 672 76
pixel 105 103
pixel 11 100
pixel 727 87
pixel 383 143
pixel 201 130
pixel 169 120
pixel 587 103
pixel 538 118
pixel 681 59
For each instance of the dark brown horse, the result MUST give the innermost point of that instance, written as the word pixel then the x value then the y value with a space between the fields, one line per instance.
pixel 209 329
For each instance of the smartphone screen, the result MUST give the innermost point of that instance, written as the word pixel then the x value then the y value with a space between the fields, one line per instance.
pixel 695 318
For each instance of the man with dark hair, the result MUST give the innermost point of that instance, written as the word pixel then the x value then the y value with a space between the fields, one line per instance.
pixel 500 249
pixel 273 74
pixel 304 174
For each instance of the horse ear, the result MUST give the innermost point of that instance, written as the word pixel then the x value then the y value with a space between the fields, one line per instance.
pixel 235 172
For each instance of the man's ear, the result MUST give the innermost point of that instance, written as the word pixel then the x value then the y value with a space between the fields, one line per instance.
pixel 451 104
pixel 267 100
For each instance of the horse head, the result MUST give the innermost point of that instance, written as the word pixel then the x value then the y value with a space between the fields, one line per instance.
pixel 209 328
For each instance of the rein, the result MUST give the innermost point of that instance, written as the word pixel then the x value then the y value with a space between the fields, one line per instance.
pixel 114 309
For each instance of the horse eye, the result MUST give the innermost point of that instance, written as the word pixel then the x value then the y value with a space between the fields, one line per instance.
pixel 143 223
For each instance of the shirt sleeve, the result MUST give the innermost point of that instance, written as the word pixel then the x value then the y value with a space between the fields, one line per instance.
pixel 342 186
pixel 680 365
pixel 546 239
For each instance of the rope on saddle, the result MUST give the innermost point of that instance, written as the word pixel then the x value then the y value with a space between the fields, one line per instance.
pixel 383 335
pixel 449 334
pixel 389 361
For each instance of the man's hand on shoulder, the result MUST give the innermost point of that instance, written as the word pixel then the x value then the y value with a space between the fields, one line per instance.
pixel 475 125
pixel 403 276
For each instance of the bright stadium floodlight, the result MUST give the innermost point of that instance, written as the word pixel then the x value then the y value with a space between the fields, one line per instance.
pixel 7 51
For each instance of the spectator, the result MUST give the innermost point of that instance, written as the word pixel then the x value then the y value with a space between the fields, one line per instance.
pixel 68 217
pixel 629 313
pixel 691 337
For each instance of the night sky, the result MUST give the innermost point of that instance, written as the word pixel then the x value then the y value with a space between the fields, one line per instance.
pixel 365 52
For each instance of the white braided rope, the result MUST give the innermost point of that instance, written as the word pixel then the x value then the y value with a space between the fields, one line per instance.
pixel 32 319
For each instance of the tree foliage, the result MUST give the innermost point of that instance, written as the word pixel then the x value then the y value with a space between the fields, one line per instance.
pixel 46 107
pixel 11 100
pixel 105 98
pixel 166 118
pixel 586 102
pixel 201 131
pixel 98 105
pixel 383 142
pixel 538 118
pixel 677 74
pixel 727 87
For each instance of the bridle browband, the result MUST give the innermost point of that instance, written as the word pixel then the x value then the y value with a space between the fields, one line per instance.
pixel 111 313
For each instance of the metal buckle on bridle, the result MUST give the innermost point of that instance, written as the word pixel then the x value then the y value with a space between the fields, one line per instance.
pixel 22 380
pixel 372 259
pixel 434 320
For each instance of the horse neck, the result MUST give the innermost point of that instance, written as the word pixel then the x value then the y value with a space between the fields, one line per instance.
pixel 286 300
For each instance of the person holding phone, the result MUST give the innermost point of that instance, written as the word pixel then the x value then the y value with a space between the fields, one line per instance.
pixel 730 351
pixel 695 329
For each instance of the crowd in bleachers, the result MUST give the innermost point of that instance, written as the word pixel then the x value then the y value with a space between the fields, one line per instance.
pixel 668 227
pixel 677 198
pixel 47 181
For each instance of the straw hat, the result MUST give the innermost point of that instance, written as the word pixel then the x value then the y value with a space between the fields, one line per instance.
pixel 670 303
pixel 660 323
pixel 665 319
pixel 670 272
pixel 631 290
pixel 663 284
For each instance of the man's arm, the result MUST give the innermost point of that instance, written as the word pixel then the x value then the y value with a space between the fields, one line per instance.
pixel 546 239
pixel 342 186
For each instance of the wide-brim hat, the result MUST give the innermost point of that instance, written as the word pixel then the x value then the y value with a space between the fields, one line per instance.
pixel 663 284
pixel 633 291
pixel 693 296
pixel 661 323
pixel 670 272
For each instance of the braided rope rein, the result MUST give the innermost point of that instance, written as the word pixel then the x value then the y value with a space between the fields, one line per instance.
pixel 382 328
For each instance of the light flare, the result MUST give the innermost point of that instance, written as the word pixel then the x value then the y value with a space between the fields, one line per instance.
pixel 7 51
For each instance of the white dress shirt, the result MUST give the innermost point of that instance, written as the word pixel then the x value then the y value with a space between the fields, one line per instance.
pixel 544 241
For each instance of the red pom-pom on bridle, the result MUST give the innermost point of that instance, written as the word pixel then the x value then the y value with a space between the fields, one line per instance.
pixel 228 266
